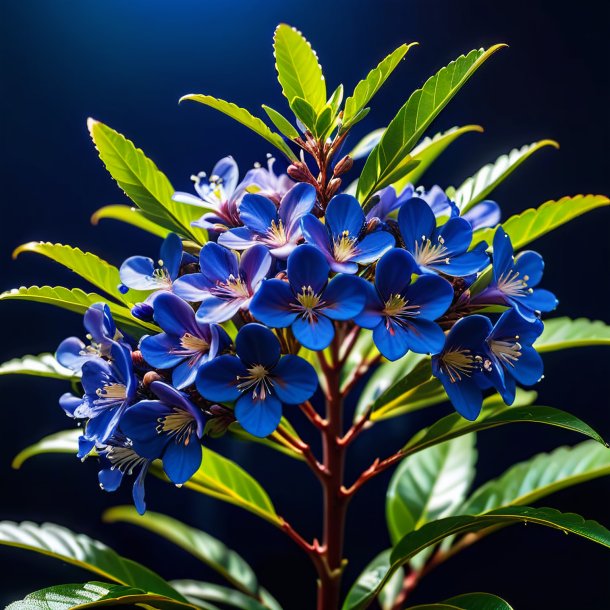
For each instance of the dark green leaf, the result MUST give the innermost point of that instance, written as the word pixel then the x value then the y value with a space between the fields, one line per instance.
pixel 306 113
pixel 564 333
pixel 478 601
pixel 196 592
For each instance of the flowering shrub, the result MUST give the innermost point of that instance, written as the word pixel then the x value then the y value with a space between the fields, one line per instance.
pixel 280 293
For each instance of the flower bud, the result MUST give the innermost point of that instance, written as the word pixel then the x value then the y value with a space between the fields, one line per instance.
pixel 220 418
pixel 138 359
pixel 142 311
pixel 343 166
pixel 333 187
pixel 299 172
pixel 150 377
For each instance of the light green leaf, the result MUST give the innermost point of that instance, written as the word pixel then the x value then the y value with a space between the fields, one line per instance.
pixel 429 149
pixel 131 216
pixel 281 122
pixel 306 113
pixel 65 441
pixel 80 550
pixel 544 474
pixel 429 485
pixel 201 545
pixel 454 425
pixel 533 223
pixel 143 182
pixel 490 176
pixel 43 365
pixel 93 595
pixel 364 146
pixel 90 267
pixel 563 333
pixel 274 441
pixel 369 86
pixel 298 70
pixel 334 101
pixel 434 532
pixel 196 592
pixel 243 116
pixel 388 161
pixel 78 301
pixel 478 601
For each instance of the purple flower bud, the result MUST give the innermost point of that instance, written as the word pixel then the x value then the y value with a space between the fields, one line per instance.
pixel 142 311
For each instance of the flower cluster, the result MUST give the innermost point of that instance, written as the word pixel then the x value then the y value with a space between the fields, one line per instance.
pixel 283 271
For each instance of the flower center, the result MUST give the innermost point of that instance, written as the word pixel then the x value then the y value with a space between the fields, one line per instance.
pixel 232 288
pixel 194 344
pixel 179 424
pixel 512 285
pixel 308 300
pixel 344 247
pixel 161 275
pixel 256 380
pixel 125 459
pixel 111 393
pixel 458 363
pixel 276 234
pixel 398 307
pixel 427 253
pixel 508 351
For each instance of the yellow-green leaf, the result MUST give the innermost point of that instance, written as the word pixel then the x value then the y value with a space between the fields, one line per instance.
pixel 131 216
pixel 43 365
pixel 564 333
pixel 64 442
pixel 281 122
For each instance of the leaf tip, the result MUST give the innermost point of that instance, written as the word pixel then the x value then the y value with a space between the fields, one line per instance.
pixel 91 123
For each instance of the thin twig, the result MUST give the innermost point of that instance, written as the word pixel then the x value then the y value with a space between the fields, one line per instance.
pixel 377 467
pixel 312 415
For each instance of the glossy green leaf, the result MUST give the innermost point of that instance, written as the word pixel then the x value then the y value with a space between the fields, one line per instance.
pixel 334 101
pixel 78 301
pixel 366 144
pixel 564 333
pixel 534 223
pixel 306 113
pixel 429 485
pixel 43 365
pixel 429 149
pixel 65 441
pixel 196 592
pixel 131 216
pixel 243 116
pixel 434 532
pixel 80 550
pixel 143 182
pixel 388 160
pixel 544 474
pixel 298 70
pixel 281 122
pixel 90 267
pixel 367 581
pixel 201 545
pixel 477 188
pixel 93 595
pixel 478 601
pixel 454 425
pixel 274 441
pixel 369 86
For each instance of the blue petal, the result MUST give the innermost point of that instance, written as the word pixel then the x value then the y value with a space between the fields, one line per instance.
pixel 467 263
pixel 456 235
pixel 258 417
pixel 415 220
pixel 502 254
pixel 511 325
pixel 531 265
pixel 175 316
pixel 469 333
pixel 217 379
pixel 372 247
pixel 184 374
pixel 158 351
pixel 110 478
pixel 433 294
pixel 370 315
pixel 296 203
pixel 256 344
pixel 271 305
pixel 217 263
pixel 315 333
pixel 213 309
pixel 95 374
pixel 182 460
pixel 257 213
pixel 344 213
pixel 69 403
pixel 226 173
pixel 315 233
pixel 173 397
pixel 539 300
pixel 171 254
pixel 425 336
pixel 137 273
pixel 465 396
pixel 295 380
pixel 71 354
pixel 192 287
pixel 529 367
pixel 345 297
pixel 237 239
pixel 99 323
pixel 391 339
pixel 307 266
pixel 138 490
pixel 483 215
pixel 139 424
pixel 254 265
pixel 393 273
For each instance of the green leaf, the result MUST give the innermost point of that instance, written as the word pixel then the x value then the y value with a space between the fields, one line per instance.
pixel 196 592
pixel 534 223
pixel 131 216
pixel 490 176
pixel 78 301
pixel 364 146
pixel 80 550
pixel 281 122
pixel 306 113
pixel 434 532
pixel 368 579
pixel 564 333
pixel 43 365
pixel 274 441
pixel 478 601
pixel 298 70
pixel 429 149
pixel 90 267
pixel 369 86
pixel 201 545
pixel 65 441
pixel 334 101
pixel 540 476
pixel 243 116
pixel 221 478
pixel 143 182
pixel 430 485
pixel 92 595
pixel 383 166
pixel 454 425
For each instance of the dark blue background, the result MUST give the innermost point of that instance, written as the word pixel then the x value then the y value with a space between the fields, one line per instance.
pixel 127 63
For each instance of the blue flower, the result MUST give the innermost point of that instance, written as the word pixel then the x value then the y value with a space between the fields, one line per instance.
pixel 226 283
pixel 110 386
pixel 308 302
pixel 258 379
pixel 168 429
pixel 265 182
pixel 73 353
pixel 278 229
pixel 441 249
pixel 401 313
pixel 459 366
pixel 342 240
pixel 186 343
pixel 389 201
pixel 515 279
pixel 482 215
pixel 440 204
pixel 140 273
